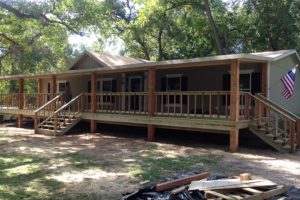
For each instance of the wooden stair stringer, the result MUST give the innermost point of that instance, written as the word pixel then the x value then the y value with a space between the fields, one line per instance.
pixel 262 135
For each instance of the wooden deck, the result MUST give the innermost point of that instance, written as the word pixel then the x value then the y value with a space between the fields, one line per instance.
pixel 171 120
pixel 191 110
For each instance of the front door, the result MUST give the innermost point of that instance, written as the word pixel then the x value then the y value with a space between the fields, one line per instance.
pixel 135 85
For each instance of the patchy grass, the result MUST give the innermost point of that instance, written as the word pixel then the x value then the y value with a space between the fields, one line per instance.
pixel 152 168
pixel 26 176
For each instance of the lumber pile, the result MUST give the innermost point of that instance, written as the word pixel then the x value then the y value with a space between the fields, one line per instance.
pixel 231 188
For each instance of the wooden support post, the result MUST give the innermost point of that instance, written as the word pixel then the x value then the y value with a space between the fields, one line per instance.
pixel 292 136
pixel 93 100
pixel 151 133
pixel 151 101
pixel 264 79
pixel 234 104
pixel 298 132
pixel 40 91
pixel 21 100
pixel 53 90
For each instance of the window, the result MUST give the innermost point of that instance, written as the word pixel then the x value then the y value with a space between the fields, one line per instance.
pixel 106 85
pixel 174 83
pixel 245 82
pixel 61 85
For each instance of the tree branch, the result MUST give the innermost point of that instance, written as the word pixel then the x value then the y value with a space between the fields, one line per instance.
pixel 3 35
pixel 38 16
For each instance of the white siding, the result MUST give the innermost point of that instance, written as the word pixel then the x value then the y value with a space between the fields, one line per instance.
pixel 277 70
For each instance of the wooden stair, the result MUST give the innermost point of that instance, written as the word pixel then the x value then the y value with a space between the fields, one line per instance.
pixel 276 141
pixel 63 126
pixel 61 120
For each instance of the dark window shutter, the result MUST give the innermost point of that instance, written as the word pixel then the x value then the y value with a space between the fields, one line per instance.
pixel 164 84
pixel 89 87
pixel 255 83
pixel 49 88
pixel 184 83
pixel 114 85
pixel 226 87
pixel 226 82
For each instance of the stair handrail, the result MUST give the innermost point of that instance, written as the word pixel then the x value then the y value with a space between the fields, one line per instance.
pixel 48 103
pixel 67 104
pixel 272 107
pixel 59 110
pixel 278 111
pixel 268 101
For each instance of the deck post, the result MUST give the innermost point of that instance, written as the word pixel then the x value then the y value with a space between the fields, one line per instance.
pixel 53 90
pixel 40 91
pixel 234 104
pixel 151 101
pixel 93 100
pixel 298 132
pixel 264 79
pixel 21 100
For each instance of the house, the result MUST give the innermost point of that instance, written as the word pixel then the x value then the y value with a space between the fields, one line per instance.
pixel 222 94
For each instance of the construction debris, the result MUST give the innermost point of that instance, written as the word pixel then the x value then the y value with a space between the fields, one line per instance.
pixel 201 186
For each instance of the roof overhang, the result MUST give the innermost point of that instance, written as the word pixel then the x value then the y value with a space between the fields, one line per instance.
pixel 220 60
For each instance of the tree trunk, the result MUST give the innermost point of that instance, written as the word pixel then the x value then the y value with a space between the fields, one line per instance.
pixel 221 48
pixel 160 48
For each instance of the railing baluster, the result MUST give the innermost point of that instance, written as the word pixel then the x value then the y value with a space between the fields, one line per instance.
pixel 203 105
pixel 195 104
pixel 292 136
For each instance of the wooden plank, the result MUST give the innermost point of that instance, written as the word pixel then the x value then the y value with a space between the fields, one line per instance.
pixel 180 182
pixel 251 190
pixel 209 124
pixel 228 184
pixel 268 194
pixel 208 194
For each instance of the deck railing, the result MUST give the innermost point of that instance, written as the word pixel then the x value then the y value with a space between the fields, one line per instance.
pixel 197 104
pixel 118 102
pixel 35 100
pixel 267 116
pixel 10 100
pixel 31 101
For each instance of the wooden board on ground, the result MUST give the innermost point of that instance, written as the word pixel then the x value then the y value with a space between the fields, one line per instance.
pixel 228 184
pixel 180 182
pixel 245 193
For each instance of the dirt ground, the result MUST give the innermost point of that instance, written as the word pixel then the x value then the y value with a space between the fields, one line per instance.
pixel 114 152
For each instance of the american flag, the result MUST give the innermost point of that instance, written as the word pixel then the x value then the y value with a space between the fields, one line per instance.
pixel 288 81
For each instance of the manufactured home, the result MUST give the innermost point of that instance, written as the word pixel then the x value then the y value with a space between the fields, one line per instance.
pixel 216 94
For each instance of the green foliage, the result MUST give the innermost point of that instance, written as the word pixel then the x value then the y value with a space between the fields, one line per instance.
pixel 34 35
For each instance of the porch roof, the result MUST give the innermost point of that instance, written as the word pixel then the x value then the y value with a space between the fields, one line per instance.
pixel 263 57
